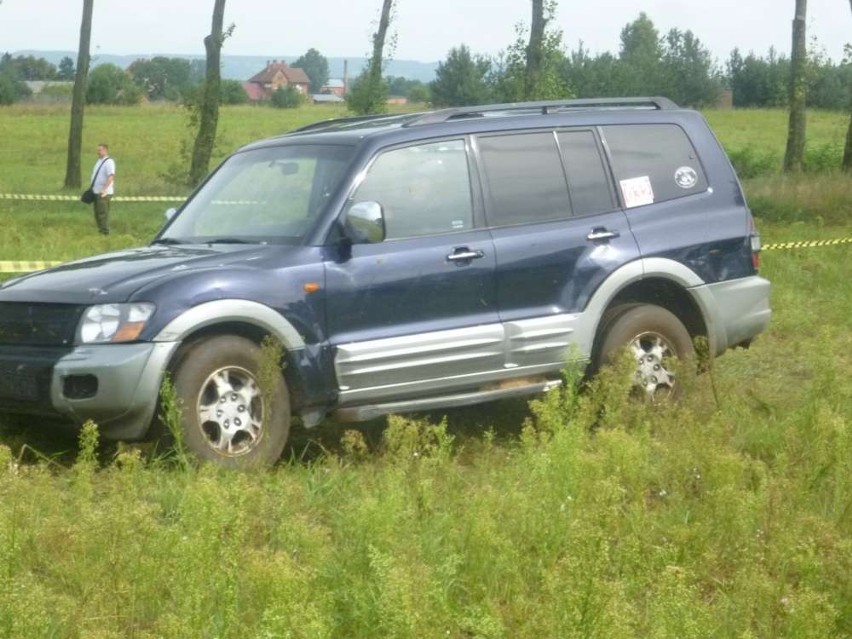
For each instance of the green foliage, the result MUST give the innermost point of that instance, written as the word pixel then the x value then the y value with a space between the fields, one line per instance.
pixel 231 92
pixel 28 67
pixel 594 77
pixel 287 97
pixel 109 84
pixel 751 162
pixel 461 79
pixel 758 81
pixel 509 74
pixel 315 66
pixel 404 87
pixel 170 418
pixel 763 81
pixel 677 66
pixel 419 94
pixel 688 70
pixel 66 70
pixel 368 93
pixel 162 78
pixel 11 89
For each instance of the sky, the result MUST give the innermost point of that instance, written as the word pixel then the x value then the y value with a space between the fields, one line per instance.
pixel 425 29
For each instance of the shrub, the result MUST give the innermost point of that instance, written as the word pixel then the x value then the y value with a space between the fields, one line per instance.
pixel 749 162
pixel 287 98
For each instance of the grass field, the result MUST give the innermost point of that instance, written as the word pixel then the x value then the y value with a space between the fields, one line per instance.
pixel 726 515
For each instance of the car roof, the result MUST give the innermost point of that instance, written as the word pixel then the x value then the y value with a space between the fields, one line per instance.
pixel 476 119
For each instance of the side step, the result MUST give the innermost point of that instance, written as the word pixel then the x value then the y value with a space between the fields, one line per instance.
pixel 366 413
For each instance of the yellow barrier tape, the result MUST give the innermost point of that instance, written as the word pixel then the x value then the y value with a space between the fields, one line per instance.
pixel 73 198
pixel 25 266
pixel 807 244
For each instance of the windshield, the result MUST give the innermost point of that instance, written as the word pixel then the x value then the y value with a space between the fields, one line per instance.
pixel 269 195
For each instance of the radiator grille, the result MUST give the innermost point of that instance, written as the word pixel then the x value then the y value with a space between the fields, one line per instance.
pixel 25 324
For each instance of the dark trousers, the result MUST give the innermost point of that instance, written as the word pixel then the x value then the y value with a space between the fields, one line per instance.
pixel 101 206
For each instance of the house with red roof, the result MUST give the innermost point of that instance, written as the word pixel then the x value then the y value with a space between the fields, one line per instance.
pixel 275 76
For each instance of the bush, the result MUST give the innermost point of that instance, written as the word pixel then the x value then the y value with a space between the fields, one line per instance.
pixel 109 84
pixel 11 89
pixel 751 163
pixel 232 92
pixel 287 98
pixel 825 157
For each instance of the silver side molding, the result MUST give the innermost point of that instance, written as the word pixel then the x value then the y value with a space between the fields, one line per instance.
pixel 366 413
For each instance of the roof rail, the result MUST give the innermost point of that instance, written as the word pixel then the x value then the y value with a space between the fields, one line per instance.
pixel 542 108
pixel 351 119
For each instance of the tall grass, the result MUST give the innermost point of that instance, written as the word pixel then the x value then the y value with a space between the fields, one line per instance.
pixel 726 515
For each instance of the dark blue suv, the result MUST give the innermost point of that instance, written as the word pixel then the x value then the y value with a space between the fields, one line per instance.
pixel 404 262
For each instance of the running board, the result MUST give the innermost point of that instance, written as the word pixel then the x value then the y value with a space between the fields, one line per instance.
pixel 372 411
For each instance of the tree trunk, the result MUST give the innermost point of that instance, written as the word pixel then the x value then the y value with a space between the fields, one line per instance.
pixel 534 50
pixel 375 77
pixel 209 108
pixel 78 101
pixel 794 157
pixel 847 154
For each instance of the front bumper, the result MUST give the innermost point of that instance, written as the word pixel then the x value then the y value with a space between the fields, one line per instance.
pixel 115 385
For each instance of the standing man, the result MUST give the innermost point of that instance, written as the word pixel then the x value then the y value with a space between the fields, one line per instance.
pixel 103 176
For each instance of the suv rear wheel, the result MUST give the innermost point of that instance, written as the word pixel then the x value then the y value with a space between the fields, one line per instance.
pixel 655 337
pixel 227 417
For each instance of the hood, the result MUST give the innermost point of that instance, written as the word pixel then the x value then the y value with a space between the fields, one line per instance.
pixel 114 277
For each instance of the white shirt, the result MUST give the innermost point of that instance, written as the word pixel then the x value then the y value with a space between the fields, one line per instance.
pixel 101 173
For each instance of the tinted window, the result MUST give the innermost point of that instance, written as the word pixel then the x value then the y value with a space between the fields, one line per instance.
pixel 423 189
pixel 653 163
pixel 587 181
pixel 525 179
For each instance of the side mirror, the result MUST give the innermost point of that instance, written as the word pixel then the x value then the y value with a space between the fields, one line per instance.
pixel 170 213
pixel 365 223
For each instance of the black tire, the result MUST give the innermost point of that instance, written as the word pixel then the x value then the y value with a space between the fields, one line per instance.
pixel 655 336
pixel 225 416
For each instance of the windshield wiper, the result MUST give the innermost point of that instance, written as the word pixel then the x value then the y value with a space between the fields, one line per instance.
pixel 231 240
pixel 168 241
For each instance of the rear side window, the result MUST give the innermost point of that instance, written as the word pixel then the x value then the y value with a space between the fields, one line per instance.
pixel 653 163
pixel 587 181
pixel 525 180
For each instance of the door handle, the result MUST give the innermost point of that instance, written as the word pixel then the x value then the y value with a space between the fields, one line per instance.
pixel 601 233
pixel 465 255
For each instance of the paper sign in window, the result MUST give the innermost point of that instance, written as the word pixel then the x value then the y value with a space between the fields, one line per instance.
pixel 637 191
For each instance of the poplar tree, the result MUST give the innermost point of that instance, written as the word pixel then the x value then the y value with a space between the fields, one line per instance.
pixel 209 107
pixel 78 100
pixel 794 157
pixel 369 92
pixel 534 49
pixel 847 154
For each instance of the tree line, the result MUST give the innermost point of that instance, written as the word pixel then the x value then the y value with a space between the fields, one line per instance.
pixel 536 66
pixel 675 64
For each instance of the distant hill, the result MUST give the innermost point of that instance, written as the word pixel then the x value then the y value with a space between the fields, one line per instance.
pixel 242 67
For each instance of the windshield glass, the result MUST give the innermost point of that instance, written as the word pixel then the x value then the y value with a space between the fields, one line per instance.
pixel 269 195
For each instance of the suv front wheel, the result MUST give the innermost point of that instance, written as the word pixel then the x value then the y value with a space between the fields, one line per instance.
pixel 226 415
pixel 655 337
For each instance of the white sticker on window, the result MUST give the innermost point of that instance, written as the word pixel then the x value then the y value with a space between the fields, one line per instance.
pixel 637 191
pixel 686 177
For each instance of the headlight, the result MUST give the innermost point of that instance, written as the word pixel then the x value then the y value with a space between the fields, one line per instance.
pixel 113 323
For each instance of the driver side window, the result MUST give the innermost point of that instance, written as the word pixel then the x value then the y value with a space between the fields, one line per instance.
pixel 423 189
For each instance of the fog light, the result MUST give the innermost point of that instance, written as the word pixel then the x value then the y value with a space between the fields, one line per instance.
pixel 79 386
